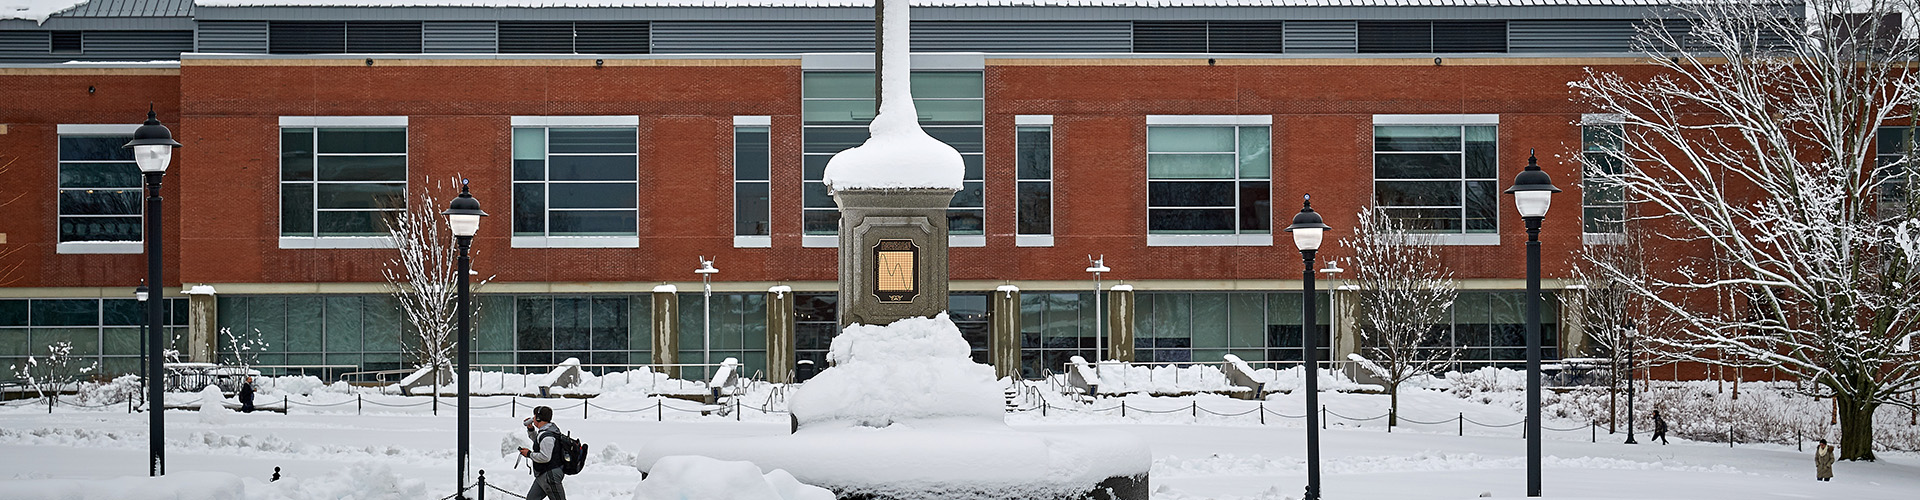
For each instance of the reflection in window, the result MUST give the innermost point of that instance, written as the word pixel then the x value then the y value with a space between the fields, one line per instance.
pixel 1437 178
pixel 751 206
pixel 575 181
pixel 837 106
pixel 1602 193
pixel 341 181
pixel 99 189
pixel 1054 327
pixel 1209 180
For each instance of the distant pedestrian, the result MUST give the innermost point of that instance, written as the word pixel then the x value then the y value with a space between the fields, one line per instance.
pixel 546 464
pixel 1659 428
pixel 246 395
pixel 1823 461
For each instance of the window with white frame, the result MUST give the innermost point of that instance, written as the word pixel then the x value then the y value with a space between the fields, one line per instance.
pixel 752 207
pixel 99 199
pixel 575 181
pixel 1602 196
pixel 1208 180
pixel 1437 173
pixel 1895 153
pixel 837 107
pixel 1033 174
pixel 341 176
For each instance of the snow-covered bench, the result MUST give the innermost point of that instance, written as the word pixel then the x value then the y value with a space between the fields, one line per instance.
pixel 1242 375
pixel 565 374
pixel 430 377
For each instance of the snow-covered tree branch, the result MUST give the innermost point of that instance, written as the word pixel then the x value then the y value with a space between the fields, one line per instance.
pixel 1752 142
pixel 1403 293
pixel 422 276
pixel 56 372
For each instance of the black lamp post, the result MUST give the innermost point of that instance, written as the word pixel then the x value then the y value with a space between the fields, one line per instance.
pixel 152 147
pixel 463 216
pixel 1532 193
pixel 1307 231
pixel 1631 332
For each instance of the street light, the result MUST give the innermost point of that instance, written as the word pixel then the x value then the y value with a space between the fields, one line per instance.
pixel 706 272
pixel 1532 193
pixel 152 147
pixel 1097 266
pixel 1630 333
pixel 463 217
pixel 1307 231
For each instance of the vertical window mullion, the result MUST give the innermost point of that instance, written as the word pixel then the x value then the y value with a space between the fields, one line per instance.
pixel 546 189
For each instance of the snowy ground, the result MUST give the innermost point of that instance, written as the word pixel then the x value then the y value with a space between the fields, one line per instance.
pixel 407 453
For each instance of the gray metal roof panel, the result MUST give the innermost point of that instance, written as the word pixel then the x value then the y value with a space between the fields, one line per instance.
pixel 131 8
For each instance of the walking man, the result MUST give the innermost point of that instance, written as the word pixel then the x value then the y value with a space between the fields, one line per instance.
pixel 246 396
pixel 1823 461
pixel 546 464
pixel 1659 428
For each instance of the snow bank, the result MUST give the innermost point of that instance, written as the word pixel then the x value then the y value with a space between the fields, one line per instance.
pixel 191 485
pixel 1289 380
pixel 1120 378
pixel 683 477
pixel 898 154
pixel 915 368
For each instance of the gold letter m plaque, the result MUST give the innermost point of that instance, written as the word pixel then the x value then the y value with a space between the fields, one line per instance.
pixel 895 276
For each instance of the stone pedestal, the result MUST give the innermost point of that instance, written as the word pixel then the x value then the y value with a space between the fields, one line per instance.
pixel 893 254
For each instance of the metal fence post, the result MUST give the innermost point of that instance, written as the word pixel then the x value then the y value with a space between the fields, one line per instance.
pixel 482 485
pixel 50 399
pixel 736 408
pixel 1461 419
pixel 658 412
pixel 513 405
pixel 1593 429
pixel 1195 408
pixel 1323 416
pixel 584 403
pixel 358 404
pixel 1123 408
pixel 285 409
pixel 1263 413
pixel 1390 421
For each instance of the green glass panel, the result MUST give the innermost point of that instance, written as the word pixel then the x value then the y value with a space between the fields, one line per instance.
pixel 296 209
pixel 353 359
pixel 267 314
pixel 13 312
pixel 123 312
pixel 1416 138
pixel 640 323
pixel 692 330
pixel 947 84
pixel 95 147
pixel 65 312
pixel 112 367
pixel 753 322
pixel 1256 152
pixel 1167 139
pixel 296 154
pixel 121 341
pixel 1210 322
pixel 1033 308
pixel 358 223
pixel 1604 138
pixel 13 342
pixel 344 324
pixel 851 112
pixel 1248 326
pixel 383 327
pixel 493 323
pixel 591 140
pixel 361 168
pixel 949 112
pixel 1063 316
pixel 751 152
pixel 837 84
pixel 1190 166
pixel 1284 308
pixel 86 341
pixel 363 140
pixel 529 144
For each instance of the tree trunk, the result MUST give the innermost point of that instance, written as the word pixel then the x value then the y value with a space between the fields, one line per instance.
pixel 1856 428
pixel 1393 405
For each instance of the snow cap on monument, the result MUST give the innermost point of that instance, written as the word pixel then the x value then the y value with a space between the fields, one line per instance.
pixel 897 154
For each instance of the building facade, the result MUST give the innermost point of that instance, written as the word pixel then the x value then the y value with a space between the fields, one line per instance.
pixel 614 143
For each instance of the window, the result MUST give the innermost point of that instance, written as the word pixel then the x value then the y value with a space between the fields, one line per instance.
pixel 734 327
pixel 107 331
pixel 340 178
pixel 1438 174
pixel 969 312
pixel 838 106
pixel 1602 194
pixel 752 209
pixel 1055 327
pixel 1488 329
pixel 815 322
pixel 1206 326
pixel 1207 180
pixel 1895 150
pixel 575 181
pixel 99 205
pixel 1033 171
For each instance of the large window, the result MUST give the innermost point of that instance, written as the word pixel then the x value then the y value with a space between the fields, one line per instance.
pixel 99 190
pixel 1208 180
pixel 598 329
pixel 1489 328
pixel 1438 173
pixel 1033 171
pixel 1055 327
pixel 104 331
pixel 1182 326
pixel 752 215
pixel 1895 148
pixel 815 323
pixel 1601 193
pixel 969 312
pixel 838 106
pixel 340 176
pixel 738 329
pixel 575 182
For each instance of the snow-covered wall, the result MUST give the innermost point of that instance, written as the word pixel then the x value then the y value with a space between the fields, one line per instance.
pixel 913 369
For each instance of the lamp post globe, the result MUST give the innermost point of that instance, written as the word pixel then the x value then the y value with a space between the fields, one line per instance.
pixel 463 217
pixel 1308 231
pixel 152 147
pixel 1532 194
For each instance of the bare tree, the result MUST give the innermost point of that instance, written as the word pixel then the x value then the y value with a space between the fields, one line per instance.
pixel 1404 293
pixel 56 372
pixel 1754 141
pixel 421 275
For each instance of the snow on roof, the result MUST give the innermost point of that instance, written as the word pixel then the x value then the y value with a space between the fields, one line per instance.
pixel 917 3
pixel 37 10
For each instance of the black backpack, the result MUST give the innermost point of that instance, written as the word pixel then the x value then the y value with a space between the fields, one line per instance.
pixel 571 453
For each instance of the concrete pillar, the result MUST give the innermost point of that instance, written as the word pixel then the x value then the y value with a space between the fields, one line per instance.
pixel 1120 323
pixel 1572 332
pixel 666 328
pixel 780 340
pixel 203 320
pixel 1342 319
pixel 1003 335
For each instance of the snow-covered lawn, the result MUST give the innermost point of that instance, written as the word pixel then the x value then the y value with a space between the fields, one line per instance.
pixel 406 453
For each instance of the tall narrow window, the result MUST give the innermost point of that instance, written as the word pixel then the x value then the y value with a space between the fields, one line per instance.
pixel 1033 173
pixel 340 177
pixel 1437 173
pixel 838 106
pixel 752 216
pixel 575 181
pixel 1208 180
pixel 99 190
pixel 1895 158
pixel 1602 194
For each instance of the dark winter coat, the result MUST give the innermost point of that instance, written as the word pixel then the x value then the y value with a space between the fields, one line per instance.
pixel 246 397
pixel 1823 461
pixel 1659 425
